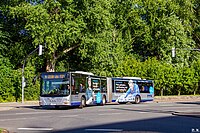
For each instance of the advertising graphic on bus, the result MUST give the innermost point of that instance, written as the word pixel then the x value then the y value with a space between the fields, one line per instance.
pixel 133 90
pixel 83 88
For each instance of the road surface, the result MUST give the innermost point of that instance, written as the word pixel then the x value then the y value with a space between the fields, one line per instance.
pixel 144 117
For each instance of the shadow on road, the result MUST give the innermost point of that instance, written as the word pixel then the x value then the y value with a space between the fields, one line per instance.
pixel 172 124
pixel 198 103
pixel 49 107
pixel 146 110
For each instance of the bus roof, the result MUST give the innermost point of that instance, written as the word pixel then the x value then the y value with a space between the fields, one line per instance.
pixel 131 77
pixel 135 79
pixel 128 78
pixel 82 72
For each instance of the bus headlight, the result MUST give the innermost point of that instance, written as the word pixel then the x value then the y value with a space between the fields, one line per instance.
pixel 66 102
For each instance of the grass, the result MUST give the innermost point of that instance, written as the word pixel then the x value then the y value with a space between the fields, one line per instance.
pixel 2 130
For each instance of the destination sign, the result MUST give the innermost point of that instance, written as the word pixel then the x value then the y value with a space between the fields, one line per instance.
pixel 60 76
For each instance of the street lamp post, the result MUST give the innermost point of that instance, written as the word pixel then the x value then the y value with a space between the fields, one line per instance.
pixel 23 78
pixel 174 50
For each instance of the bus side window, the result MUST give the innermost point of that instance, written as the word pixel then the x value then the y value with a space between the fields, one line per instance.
pixel 146 89
pixel 140 86
pixel 103 86
pixel 73 89
pixel 142 89
pixel 82 88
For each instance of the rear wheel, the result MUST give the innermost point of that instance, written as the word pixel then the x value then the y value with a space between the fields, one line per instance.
pixel 103 100
pixel 83 102
pixel 137 99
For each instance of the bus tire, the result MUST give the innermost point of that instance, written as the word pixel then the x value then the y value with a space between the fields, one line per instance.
pixel 83 102
pixel 103 101
pixel 137 99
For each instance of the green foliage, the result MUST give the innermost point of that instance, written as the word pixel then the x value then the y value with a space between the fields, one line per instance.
pixel 106 37
pixel 6 87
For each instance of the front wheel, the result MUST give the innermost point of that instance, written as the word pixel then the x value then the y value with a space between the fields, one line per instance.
pixel 83 102
pixel 137 99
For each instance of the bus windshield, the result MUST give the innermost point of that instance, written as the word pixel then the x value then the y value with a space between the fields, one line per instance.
pixel 54 85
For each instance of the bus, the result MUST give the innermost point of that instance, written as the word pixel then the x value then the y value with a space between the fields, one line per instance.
pixel 72 89
pixel 119 87
pixel 83 88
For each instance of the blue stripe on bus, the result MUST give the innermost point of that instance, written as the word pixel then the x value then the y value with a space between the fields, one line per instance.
pixel 143 100
pixel 146 100
pixel 75 103
pixel 113 100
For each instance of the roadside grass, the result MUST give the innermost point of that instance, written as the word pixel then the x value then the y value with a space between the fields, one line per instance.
pixel 2 130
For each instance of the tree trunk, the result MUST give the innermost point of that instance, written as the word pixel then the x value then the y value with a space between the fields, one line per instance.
pixel 51 63
pixel 50 66
pixel 161 92
pixel 179 91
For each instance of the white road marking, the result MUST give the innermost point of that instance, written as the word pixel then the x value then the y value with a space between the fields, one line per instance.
pixel 13 119
pixel 105 130
pixel 110 114
pixel 68 116
pixel 143 112
pixel 36 129
pixel 24 118
pixel 165 105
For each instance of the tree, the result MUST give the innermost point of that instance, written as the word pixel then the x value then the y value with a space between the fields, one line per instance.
pixel 4 39
pixel 7 90
pixel 55 24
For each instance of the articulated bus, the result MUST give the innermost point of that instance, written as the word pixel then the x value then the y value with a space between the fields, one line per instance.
pixel 72 89
pixel 83 88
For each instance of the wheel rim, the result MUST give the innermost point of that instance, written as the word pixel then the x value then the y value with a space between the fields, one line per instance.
pixel 83 102
pixel 104 100
pixel 137 99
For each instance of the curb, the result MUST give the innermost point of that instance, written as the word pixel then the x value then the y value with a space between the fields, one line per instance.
pixel 189 114
pixel 6 108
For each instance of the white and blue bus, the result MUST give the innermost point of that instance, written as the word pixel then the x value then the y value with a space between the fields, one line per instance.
pixel 72 89
pixel 83 88
pixel 120 91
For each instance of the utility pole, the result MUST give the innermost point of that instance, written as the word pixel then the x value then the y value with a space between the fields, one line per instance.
pixel 23 78
pixel 173 52
pixel 175 49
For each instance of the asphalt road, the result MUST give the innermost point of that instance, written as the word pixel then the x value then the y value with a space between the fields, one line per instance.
pixel 145 117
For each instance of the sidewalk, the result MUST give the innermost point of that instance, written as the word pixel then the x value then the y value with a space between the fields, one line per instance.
pixel 11 105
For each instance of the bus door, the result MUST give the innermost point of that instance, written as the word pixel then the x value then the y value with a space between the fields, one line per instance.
pixel 97 94
pixel 109 89
pixel 78 88
pixel 104 90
